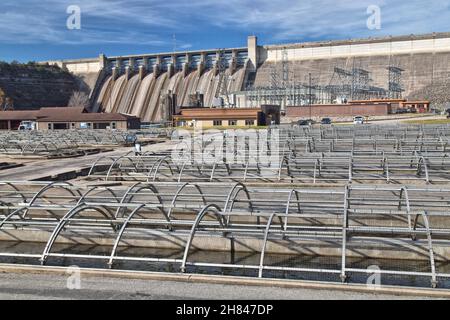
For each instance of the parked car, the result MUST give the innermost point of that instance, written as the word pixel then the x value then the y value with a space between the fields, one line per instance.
pixel 307 122
pixel 27 126
pixel 358 120
pixel 325 121
pixel 435 111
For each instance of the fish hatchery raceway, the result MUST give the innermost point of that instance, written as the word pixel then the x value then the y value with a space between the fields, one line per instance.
pixel 336 208
pixel 341 204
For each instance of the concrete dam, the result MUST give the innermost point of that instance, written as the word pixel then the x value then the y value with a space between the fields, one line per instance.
pixel 141 94
pixel 390 67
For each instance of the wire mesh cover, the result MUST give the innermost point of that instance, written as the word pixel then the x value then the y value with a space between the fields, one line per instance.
pixel 327 233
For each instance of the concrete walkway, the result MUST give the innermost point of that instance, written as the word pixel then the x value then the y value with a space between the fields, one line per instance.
pixel 39 169
pixel 45 286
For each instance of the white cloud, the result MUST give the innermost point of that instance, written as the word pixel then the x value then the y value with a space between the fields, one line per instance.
pixel 186 46
pixel 148 21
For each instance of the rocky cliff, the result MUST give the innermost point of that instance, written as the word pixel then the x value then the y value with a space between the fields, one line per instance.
pixel 32 86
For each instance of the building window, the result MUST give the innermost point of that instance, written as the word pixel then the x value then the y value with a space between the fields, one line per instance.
pixel 49 126
pixel 232 122
pixel 72 125
pixel 249 122
pixel 102 125
pixel 217 122
pixel 113 125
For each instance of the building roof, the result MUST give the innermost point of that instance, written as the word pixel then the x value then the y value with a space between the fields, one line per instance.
pixel 218 114
pixel 77 115
pixel 18 115
pixel 369 101
pixel 62 114
pixel 416 102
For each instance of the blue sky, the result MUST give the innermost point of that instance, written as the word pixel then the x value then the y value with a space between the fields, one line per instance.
pixel 32 30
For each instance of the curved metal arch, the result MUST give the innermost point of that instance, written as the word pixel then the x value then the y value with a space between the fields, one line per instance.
pixel 121 232
pixel 385 164
pixel 288 204
pixel 422 161
pixel 56 184
pixel 247 166
pixel 117 161
pixel 32 147
pixel 443 143
pixel 155 163
pixel 156 193
pixel 15 190
pixel 182 169
pixel 144 186
pixel 129 154
pixel 214 169
pixel 230 197
pixel 62 223
pixel 285 160
pixel 212 208
pixel 122 200
pixel 12 214
pixel 344 232
pixel 164 159
pixel 95 188
pixel 404 190
pixel 426 221
pixel 350 167
pixel 289 148
pixel 97 161
pixel 263 250
pixel 136 156
pixel 443 159
pixel 177 194
pixel 316 166
pixel 45 145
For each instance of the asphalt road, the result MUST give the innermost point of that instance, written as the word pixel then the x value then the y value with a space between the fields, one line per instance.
pixel 53 287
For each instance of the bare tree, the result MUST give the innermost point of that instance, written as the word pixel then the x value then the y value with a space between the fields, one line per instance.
pixel 79 99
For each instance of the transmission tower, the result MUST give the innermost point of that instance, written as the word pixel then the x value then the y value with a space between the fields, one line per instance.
pixel 395 82
pixel 222 87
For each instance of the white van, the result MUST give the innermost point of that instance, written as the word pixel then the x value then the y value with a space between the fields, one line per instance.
pixel 27 126
pixel 358 120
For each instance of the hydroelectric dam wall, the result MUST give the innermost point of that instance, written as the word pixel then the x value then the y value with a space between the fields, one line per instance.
pixel 136 84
